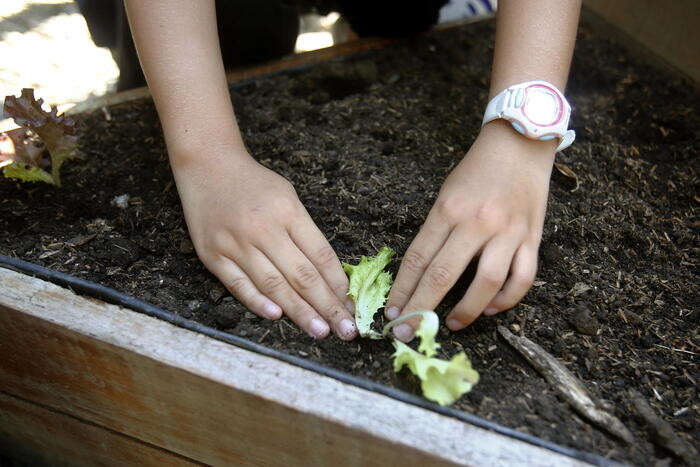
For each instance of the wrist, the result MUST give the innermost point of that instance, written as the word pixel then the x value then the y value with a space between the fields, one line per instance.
pixel 499 132
pixel 190 153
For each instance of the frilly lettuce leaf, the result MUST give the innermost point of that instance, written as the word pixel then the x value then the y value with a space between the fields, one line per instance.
pixel 442 381
pixel 44 140
pixel 23 158
pixel 369 286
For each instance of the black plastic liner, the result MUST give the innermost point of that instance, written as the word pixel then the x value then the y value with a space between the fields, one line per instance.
pixel 109 295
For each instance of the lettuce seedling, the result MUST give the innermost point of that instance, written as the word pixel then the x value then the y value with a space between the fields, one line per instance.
pixel 36 151
pixel 369 286
pixel 442 381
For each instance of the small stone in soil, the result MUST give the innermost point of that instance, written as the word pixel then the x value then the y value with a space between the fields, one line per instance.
pixel 186 246
pixel 551 254
pixel 547 333
pixel 216 293
pixel 226 316
pixel 583 321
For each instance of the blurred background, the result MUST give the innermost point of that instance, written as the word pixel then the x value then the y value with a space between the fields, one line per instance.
pixel 48 45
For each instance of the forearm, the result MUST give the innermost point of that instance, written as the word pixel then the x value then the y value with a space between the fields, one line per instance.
pixel 178 47
pixel 534 41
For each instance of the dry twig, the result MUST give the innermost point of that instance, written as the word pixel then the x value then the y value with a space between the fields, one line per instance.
pixel 661 431
pixel 567 384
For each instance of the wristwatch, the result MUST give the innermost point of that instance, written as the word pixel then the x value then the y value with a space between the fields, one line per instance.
pixel 535 109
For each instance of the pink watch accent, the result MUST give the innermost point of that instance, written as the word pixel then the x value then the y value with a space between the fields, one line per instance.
pixel 535 109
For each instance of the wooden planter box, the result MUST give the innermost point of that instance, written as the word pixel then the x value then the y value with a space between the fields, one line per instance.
pixel 87 382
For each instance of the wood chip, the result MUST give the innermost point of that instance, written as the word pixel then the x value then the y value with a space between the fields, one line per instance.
pixel 567 172
pixel 567 384
pixel 80 240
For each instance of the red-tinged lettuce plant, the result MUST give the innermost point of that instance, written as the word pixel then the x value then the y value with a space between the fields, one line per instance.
pixel 45 140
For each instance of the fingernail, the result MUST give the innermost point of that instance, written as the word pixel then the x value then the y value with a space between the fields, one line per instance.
pixel 491 311
pixel 392 312
pixel 403 332
pixel 454 324
pixel 350 305
pixel 347 329
pixel 272 311
pixel 318 328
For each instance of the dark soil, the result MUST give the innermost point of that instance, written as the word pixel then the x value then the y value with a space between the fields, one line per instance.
pixel 367 141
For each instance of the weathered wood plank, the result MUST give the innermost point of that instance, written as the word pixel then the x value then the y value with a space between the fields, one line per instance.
pixel 37 435
pixel 213 402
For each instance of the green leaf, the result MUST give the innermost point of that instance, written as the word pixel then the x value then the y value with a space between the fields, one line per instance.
pixel 442 381
pixel 26 173
pixel 369 286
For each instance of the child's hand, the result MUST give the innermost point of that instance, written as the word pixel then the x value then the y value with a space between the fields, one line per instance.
pixel 492 205
pixel 250 230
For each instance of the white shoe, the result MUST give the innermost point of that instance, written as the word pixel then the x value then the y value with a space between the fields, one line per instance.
pixel 460 10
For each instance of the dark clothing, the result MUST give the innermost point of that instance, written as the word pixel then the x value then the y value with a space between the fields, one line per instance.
pixel 252 31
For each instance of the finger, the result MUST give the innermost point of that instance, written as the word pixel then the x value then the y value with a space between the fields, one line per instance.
pixel 431 237
pixel 240 285
pixel 307 281
pixel 313 244
pixel 491 273
pixel 522 274
pixel 440 276
pixel 272 283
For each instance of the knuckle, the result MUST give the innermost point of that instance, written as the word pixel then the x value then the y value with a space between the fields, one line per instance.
pixel 414 261
pixel 519 226
pixel 492 278
pixel 535 238
pixel 286 207
pixel 325 256
pixel 490 217
pixel 237 285
pixel 331 312
pixel 341 290
pixel 439 277
pixel 305 277
pixel 525 279
pixel 272 282
pixel 217 241
pixel 398 295
pixel 451 208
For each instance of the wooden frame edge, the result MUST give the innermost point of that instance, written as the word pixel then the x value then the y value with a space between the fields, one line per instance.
pixel 212 402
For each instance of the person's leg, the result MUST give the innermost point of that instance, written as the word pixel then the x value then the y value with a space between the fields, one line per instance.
pixel 108 26
pixel 391 18
pixel 254 31
pixel 250 31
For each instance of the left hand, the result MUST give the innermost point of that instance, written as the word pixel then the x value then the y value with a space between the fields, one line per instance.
pixel 492 206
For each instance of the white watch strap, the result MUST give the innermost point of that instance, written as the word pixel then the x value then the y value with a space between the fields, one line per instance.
pixel 566 140
pixel 494 109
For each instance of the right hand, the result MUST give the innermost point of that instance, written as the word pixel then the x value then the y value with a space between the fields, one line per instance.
pixel 251 231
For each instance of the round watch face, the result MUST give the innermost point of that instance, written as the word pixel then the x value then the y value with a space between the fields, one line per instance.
pixel 542 105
